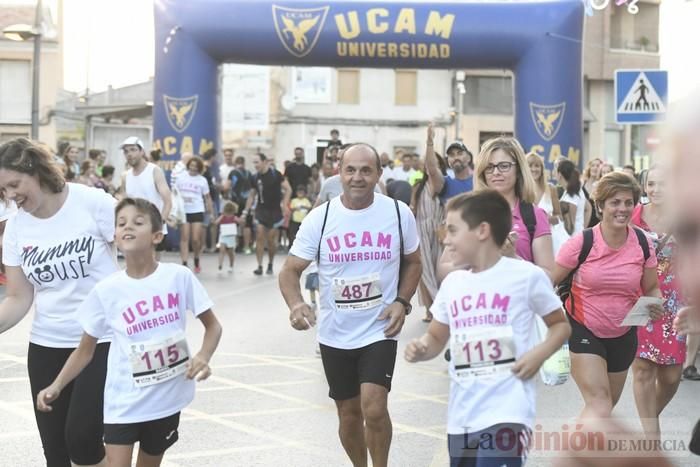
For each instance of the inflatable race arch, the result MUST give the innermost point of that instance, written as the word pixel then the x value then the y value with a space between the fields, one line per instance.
pixel 539 40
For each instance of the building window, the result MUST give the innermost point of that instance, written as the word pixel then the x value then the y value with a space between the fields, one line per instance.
pixel 348 86
pixel 15 91
pixel 488 95
pixel 635 32
pixel 406 87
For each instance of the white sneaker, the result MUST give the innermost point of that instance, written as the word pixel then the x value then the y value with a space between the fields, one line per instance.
pixel 220 272
pixel 230 270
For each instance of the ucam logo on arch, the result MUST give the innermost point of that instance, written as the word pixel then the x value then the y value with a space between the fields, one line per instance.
pixel 372 33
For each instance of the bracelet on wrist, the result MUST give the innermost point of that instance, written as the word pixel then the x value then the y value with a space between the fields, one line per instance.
pixel 297 306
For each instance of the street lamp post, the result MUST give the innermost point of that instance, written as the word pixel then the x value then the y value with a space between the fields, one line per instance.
pixel 36 68
pixel 23 32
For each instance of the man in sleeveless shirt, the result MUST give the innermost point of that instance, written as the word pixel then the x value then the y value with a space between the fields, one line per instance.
pixel 145 180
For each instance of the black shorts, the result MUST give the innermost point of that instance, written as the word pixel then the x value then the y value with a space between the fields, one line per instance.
pixel 347 369
pixel 268 218
pixel 154 437
pixel 195 217
pixel 618 352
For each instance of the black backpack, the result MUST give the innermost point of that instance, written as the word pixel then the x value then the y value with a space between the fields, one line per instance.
pixel 564 287
pixel 527 211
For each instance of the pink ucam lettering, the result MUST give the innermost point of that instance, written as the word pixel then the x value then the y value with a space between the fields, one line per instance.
pixel 465 303
pixel 334 244
pixel 140 305
pixel 501 302
pixel 350 243
pixel 158 304
pixel 173 300
pixel 384 241
pixel 128 316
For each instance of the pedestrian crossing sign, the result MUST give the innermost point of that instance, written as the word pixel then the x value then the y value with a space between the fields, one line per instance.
pixel 641 96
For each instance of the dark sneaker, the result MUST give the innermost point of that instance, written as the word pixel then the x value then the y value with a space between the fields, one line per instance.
pixel 691 373
pixel 258 271
pixel 269 268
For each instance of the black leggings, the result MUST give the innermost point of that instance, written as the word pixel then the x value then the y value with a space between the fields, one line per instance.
pixel 73 430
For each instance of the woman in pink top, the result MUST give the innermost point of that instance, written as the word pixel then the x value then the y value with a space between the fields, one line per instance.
pixel 661 352
pixel 502 165
pixel 604 289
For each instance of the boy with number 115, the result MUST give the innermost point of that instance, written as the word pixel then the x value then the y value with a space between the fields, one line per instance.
pixel 150 371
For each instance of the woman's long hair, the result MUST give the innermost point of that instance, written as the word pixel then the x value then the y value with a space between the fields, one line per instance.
pixel 541 183
pixel 568 170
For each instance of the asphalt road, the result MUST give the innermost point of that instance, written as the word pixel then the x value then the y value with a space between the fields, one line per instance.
pixel 266 403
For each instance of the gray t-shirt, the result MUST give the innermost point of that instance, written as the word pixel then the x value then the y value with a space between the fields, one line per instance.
pixel 332 188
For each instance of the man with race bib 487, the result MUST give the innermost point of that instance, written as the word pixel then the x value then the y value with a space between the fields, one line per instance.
pixel 366 245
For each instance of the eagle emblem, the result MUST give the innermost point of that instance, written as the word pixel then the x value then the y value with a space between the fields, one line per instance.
pixel 299 29
pixel 180 111
pixel 547 119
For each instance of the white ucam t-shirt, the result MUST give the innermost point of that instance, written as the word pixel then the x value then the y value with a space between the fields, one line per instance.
pixel 147 318
pixel 192 189
pixel 490 315
pixel 359 266
pixel 63 257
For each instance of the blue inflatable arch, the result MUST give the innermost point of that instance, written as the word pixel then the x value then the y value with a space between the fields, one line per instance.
pixel 539 40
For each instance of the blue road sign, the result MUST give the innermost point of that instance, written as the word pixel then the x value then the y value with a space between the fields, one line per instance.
pixel 641 96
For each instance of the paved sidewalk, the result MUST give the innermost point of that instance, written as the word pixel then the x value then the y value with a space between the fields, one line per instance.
pixel 266 403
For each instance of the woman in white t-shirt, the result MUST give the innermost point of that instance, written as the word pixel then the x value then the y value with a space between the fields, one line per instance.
pixel 194 190
pixel 546 198
pixel 579 211
pixel 55 249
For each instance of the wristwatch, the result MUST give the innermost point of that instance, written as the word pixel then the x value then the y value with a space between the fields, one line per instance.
pixel 406 304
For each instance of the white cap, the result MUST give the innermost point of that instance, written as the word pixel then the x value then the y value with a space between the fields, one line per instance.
pixel 132 140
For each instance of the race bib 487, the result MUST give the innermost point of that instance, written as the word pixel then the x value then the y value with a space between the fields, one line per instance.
pixel 357 293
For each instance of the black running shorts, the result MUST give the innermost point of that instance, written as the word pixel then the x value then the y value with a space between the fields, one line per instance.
pixel 154 436
pixel 618 352
pixel 347 369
